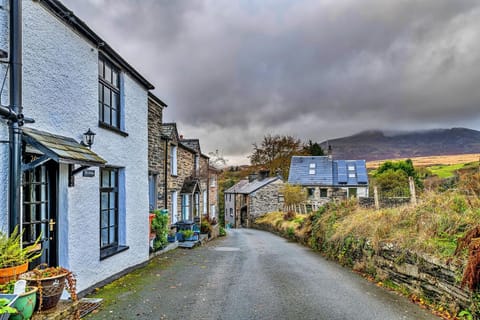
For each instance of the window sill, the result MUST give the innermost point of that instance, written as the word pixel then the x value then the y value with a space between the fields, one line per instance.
pixel 111 251
pixel 112 128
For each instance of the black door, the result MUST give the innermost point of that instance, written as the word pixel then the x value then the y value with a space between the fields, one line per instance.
pixel 40 210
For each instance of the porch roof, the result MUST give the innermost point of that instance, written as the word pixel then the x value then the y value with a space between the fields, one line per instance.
pixel 61 149
pixel 190 186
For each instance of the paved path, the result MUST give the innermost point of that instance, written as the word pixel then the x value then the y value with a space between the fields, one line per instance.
pixel 252 275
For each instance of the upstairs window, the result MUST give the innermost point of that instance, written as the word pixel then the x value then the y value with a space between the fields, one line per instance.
pixel 108 94
pixel 173 160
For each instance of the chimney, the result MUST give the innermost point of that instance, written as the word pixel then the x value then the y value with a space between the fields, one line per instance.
pixel 263 174
pixel 181 137
pixel 330 152
pixel 252 177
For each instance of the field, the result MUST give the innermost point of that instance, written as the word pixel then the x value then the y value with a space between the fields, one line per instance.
pixel 438 161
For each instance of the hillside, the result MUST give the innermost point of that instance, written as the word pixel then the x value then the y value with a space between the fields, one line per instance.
pixel 378 145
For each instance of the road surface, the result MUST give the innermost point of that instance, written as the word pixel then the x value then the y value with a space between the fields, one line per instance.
pixel 251 274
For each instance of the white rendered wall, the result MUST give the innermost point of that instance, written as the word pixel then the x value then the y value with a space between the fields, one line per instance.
pixel 60 77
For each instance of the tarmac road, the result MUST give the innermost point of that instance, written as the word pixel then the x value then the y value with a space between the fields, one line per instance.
pixel 251 274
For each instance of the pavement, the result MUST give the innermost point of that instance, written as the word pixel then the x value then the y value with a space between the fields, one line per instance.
pixel 249 274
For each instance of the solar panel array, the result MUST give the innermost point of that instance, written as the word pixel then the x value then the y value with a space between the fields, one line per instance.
pixel 362 176
pixel 342 172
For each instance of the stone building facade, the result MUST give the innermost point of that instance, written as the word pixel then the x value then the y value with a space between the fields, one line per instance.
pixel 156 154
pixel 250 199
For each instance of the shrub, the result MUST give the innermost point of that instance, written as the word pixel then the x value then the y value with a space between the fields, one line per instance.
pixel 205 226
pixel 160 227
pixel 222 232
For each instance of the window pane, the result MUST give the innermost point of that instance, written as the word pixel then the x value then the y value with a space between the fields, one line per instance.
pixel 108 73
pixel 112 235
pixel 106 114
pixel 106 96
pixel 104 219
pixel 115 79
pixel 113 183
pixel 100 68
pixel 112 200
pixel 104 237
pixel 105 178
pixel 114 118
pixel 113 220
pixel 104 201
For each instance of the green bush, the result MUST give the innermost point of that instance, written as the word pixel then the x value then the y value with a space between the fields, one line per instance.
pixel 222 232
pixel 160 227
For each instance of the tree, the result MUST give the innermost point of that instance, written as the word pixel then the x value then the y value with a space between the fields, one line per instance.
pixel 313 149
pixel 392 178
pixel 274 153
pixel 217 160
pixel 293 194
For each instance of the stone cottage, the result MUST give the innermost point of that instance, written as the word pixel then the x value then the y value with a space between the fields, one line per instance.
pixel 325 178
pixel 252 198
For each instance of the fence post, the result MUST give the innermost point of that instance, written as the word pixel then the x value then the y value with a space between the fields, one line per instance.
pixel 413 196
pixel 375 197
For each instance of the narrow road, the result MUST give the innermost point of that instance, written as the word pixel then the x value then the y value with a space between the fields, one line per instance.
pixel 252 275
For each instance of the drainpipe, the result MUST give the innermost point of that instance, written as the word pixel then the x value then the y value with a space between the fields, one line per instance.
pixel 16 109
pixel 165 190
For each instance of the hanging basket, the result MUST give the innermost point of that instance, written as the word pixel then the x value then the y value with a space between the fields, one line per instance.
pixel 12 273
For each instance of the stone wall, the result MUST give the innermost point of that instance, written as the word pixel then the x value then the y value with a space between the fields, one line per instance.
pixel 383 202
pixel 156 149
pixel 265 200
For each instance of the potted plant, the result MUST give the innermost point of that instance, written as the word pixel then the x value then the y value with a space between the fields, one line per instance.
pixel 6 302
pixel 160 227
pixel 189 235
pixel 50 282
pixel 14 258
pixel 171 236
pixel 25 302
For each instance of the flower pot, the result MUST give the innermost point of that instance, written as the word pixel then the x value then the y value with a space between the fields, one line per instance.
pixel 171 238
pixel 25 304
pixel 180 237
pixel 49 290
pixel 12 273
pixel 12 298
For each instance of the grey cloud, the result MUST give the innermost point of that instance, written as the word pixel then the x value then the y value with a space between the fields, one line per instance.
pixel 317 69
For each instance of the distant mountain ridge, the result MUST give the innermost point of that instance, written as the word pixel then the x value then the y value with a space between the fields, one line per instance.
pixel 380 145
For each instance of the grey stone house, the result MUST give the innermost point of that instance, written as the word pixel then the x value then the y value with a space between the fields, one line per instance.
pixel 252 198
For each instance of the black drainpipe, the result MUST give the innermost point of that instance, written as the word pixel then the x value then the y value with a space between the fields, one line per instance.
pixel 165 191
pixel 16 106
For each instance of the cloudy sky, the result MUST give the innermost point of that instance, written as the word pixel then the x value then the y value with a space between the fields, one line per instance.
pixel 232 71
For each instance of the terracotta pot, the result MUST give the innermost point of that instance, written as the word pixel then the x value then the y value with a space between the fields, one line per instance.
pixel 12 273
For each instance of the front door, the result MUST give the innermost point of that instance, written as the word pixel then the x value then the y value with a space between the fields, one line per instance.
pixel 40 210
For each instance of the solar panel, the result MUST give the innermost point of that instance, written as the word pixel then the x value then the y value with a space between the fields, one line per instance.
pixel 362 176
pixel 342 172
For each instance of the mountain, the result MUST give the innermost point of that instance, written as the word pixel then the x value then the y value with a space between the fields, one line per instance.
pixel 380 145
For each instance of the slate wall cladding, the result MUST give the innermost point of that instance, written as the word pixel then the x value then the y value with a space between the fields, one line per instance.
pixel 265 200
pixel 156 148
pixel 60 91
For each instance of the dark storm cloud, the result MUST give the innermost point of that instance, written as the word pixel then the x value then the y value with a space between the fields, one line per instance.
pixel 314 69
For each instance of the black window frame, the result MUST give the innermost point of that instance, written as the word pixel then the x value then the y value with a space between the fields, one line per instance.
pixel 109 189
pixel 113 87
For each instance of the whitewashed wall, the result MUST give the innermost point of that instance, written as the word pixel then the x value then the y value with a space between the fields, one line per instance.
pixel 60 78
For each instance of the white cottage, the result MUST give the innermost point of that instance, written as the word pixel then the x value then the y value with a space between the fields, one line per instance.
pixel 90 205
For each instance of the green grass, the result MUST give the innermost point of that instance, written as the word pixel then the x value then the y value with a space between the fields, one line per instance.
pixel 446 171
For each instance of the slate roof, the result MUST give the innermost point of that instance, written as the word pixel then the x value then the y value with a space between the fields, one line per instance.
pixel 323 171
pixel 61 149
pixel 246 187
pixel 190 186
pixel 193 144
pixel 169 130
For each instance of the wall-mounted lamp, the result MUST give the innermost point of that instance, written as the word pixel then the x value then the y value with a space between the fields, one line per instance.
pixel 88 138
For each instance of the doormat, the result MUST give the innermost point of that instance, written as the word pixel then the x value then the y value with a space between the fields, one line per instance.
pixel 87 305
